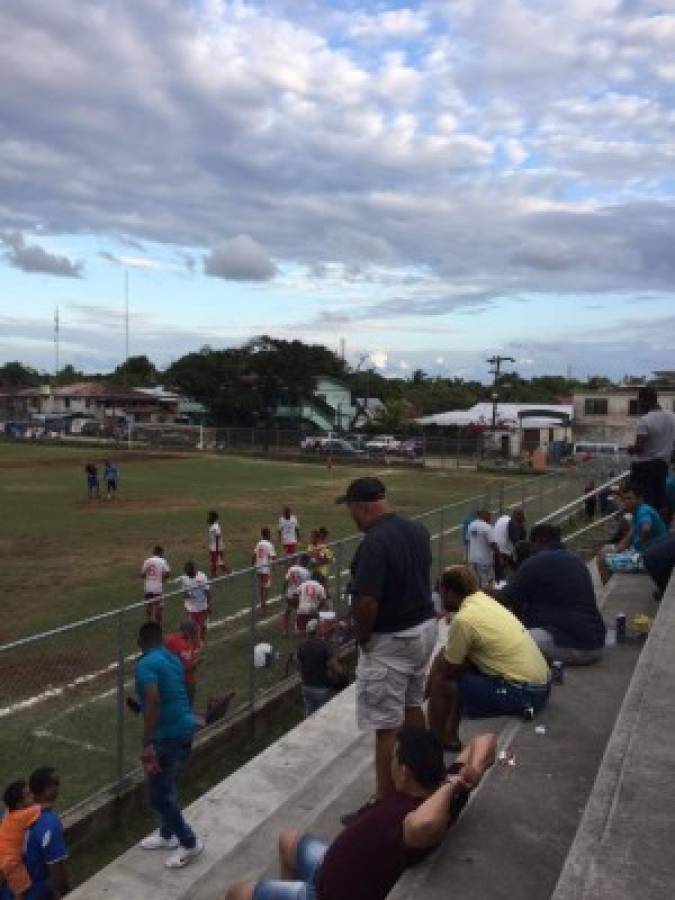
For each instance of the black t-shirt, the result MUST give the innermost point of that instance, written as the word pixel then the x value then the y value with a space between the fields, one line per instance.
pixel 366 860
pixel 314 655
pixel 393 564
pixel 554 590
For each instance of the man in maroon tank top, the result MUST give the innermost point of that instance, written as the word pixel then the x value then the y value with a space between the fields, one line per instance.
pixel 366 860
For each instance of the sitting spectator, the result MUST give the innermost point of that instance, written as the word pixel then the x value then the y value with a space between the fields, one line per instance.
pixel 659 560
pixel 646 526
pixel 482 548
pixel 490 665
pixel 320 669
pixel 552 594
pixel 366 860
pixel 508 531
pixel 20 814
pixel 187 646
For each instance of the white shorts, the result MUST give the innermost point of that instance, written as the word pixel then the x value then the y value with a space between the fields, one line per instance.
pixel 391 675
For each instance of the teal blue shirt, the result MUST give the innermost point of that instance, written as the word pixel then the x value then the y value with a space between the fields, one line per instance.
pixel 646 515
pixel 159 666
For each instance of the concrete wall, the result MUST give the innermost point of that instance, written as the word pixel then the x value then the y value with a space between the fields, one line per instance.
pixel 617 426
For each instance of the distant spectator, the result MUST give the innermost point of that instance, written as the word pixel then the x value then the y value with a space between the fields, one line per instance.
pixel 153 572
pixel 490 665
pixel 20 813
pixel 509 529
pixel 590 503
pixel 169 725
pixel 289 531
pixel 552 594
pixel 264 555
pixel 320 669
pixel 186 645
pixel 92 480
pixel 111 477
pixel 653 449
pixel 482 548
pixel 647 526
pixel 197 597
pixel 659 560
pixel 366 859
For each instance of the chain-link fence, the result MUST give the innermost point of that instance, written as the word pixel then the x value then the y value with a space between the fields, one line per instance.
pixel 63 693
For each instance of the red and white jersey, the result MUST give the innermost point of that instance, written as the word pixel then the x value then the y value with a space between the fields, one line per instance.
pixel 215 537
pixel 154 570
pixel 294 578
pixel 264 554
pixel 196 592
pixel 288 529
pixel 312 595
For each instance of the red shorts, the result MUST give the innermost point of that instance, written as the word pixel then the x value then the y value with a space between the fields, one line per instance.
pixel 215 558
pixel 199 618
pixel 264 581
pixel 290 549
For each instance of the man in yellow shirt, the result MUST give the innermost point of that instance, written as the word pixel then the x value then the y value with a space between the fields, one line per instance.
pixel 490 665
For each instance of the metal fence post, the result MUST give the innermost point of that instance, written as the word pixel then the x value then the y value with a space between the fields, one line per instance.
pixel 251 648
pixel 119 756
pixel 441 544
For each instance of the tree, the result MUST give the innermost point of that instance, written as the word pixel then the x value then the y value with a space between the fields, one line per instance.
pixel 16 375
pixel 137 371
pixel 68 375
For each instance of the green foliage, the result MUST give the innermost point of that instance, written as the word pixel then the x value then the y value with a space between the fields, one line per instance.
pixel 16 375
pixel 137 371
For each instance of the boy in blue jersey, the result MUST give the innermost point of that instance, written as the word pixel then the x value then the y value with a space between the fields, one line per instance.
pixel 169 725
pixel 46 854
pixel 647 526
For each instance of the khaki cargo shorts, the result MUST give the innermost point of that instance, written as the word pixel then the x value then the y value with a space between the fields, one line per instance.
pixel 391 675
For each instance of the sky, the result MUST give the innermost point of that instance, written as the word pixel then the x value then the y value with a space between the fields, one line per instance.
pixel 433 181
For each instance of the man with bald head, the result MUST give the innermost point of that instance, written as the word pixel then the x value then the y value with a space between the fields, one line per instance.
pixel 394 620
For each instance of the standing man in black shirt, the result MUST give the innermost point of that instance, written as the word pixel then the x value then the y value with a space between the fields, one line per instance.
pixel 394 619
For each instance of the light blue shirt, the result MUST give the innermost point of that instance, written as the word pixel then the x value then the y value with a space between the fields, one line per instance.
pixel 646 515
pixel 160 667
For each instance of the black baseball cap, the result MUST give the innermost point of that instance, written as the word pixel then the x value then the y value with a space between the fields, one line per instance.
pixel 363 490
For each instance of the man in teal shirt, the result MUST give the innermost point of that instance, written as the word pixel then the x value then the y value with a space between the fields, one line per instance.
pixel 647 526
pixel 168 729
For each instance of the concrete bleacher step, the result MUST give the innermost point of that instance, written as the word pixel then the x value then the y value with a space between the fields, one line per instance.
pixel 511 842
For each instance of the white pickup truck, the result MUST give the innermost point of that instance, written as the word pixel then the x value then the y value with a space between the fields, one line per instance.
pixel 383 443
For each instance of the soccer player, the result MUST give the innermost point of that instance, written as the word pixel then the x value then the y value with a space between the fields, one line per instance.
pixel 263 555
pixel 295 576
pixel 289 531
pixel 216 552
pixel 92 480
pixel 311 599
pixel 154 570
pixel 197 597
pixel 325 558
pixel 111 477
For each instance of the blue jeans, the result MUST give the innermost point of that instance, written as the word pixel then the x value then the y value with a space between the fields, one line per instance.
pixel 315 697
pixel 172 753
pixel 484 696
pixel 311 852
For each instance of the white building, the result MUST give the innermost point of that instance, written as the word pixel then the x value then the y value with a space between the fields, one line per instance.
pixel 610 414
pixel 518 426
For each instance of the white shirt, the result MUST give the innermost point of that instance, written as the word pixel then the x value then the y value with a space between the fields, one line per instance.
pixel 264 554
pixel 501 535
pixel 196 592
pixel 658 427
pixel 481 535
pixel 311 595
pixel 289 530
pixel 294 578
pixel 154 569
pixel 215 537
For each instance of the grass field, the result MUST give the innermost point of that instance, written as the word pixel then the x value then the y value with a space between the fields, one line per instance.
pixel 66 558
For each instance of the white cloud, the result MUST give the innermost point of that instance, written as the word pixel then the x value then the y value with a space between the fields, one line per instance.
pixel 239 259
pixel 33 258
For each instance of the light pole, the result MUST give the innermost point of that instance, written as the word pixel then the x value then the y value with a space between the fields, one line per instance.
pixel 496 363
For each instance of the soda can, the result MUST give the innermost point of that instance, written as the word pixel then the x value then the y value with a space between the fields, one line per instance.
pixel 557 672
pixel 621 628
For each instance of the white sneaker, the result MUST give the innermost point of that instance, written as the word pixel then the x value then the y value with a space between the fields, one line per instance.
pixel 157 842
pixel 184 856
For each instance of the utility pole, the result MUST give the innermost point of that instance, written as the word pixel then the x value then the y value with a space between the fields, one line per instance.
pixel 496 363
pixel 126 324
pixel 57 348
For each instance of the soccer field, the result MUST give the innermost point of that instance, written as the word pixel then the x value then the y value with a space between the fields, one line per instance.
pixel 66 558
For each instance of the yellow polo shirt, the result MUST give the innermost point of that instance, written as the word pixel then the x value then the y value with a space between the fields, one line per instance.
pixel 485 634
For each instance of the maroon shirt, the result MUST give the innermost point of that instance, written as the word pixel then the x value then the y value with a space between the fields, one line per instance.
pixel 368 858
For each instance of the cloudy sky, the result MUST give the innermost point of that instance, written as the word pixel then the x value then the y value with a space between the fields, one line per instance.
pixel 432 180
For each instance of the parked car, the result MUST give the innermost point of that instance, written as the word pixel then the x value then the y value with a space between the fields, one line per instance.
pixel 339 447
pixel 412 449
pixel 383 443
